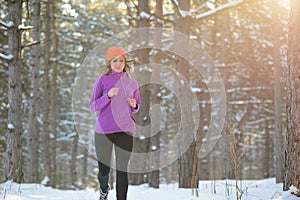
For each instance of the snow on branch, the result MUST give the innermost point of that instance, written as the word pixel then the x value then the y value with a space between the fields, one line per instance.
pixel 144 15
pixel 6 57
pixel 175 2
pixel 185 13
pixel 23 27
pixel 31 44
pixel 222 7
pixel 7 24
pixel 10 126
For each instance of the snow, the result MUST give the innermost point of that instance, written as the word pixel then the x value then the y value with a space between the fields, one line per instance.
pixel 154 147
pixel 45 180
pixel 185 13
pixel 293 190
pixel 142 137
pixel 195 90
pixel 24 27
pixel 6 57
pixel 7 24
pixel 10 126
pixel 144 15
pixel 208 13
pixel 72 135
pixel 212 190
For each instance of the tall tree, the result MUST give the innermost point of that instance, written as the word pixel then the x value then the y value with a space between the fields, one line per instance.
pixel 279 137
pixel 292 152
pixel 155 88
pixel 53 114
pixel 33 139
pixel 13 165
pixel 47 156
pixel 186 161
pixel 143 116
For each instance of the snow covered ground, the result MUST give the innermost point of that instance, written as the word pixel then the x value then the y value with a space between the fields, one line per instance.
pixel 208 190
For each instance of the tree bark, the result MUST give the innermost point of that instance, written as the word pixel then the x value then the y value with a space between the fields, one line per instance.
pixel 74 160
pixel 279 136
pixel 186 161
pixel 155 88
pixel 142 145
pixel 53 95
pixel 292 152
pixel 267 152
pixel 47 158
pixel 33 139
pixel 13 165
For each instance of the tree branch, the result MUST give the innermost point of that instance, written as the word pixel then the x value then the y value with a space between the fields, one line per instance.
pixel 6 57
pixel 218 9
pixel 7 24
pixel 24 28
pixel 31 44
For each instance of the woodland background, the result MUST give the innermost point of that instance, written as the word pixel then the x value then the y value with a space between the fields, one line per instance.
pixel 246 39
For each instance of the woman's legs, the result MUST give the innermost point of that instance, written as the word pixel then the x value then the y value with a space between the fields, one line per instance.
pixel 103 151
pixel 123 149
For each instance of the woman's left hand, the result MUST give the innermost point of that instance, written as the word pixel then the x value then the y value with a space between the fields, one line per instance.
pixel 132 102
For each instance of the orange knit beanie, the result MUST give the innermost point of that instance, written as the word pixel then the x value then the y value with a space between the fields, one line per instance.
pixel 115 51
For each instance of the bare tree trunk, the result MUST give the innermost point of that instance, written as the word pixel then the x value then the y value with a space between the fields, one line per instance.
pixel 155 125
pixel 53 96
pixel 74 160
pixel 186 161
pixel 46 100
pixel 267 152
pixel 14 148
pixel 279 136
pixel 292 152
pixel 33 139
pixel 142 145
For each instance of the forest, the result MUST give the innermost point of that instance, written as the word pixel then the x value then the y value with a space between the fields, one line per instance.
pixel 219 82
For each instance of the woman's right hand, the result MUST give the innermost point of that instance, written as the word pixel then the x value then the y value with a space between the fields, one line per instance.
pixel 112 92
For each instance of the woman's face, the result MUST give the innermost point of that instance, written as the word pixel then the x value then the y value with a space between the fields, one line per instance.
pixel 117 64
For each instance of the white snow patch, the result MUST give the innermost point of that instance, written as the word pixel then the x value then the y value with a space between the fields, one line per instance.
pixel 7 24
pixel 221 190
pixel 10 126
pixel 154 147
pixel 144 15
pixel 195 90
pixel 72 135
pixel 45 180
pixel 291 194
pixel 185 13
pixel 213 11
pixel 23 27
pixel 142 137
pixel 6 57
pixel 293 190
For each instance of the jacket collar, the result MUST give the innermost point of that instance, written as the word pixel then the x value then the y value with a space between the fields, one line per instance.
pixel 120 74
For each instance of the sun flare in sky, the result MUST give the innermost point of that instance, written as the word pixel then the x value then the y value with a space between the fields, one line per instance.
pixel 285 3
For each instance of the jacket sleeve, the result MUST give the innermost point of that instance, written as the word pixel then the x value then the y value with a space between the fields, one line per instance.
pixel 98 100
pixel 137 98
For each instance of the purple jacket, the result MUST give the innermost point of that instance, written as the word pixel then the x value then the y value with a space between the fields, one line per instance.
pixel 115 113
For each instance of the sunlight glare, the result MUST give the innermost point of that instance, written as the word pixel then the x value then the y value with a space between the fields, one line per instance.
pixel 285 3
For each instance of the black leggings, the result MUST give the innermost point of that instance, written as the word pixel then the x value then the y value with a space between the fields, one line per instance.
pixel 123 143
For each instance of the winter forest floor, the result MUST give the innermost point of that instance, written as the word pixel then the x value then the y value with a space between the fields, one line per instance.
pixel 208 190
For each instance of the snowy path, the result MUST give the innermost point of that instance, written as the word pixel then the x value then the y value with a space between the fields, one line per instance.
pixel 253 190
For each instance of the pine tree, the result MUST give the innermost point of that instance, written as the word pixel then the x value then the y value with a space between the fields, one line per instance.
pixel 292 152
pixel 13 165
